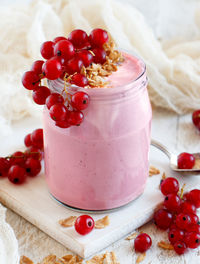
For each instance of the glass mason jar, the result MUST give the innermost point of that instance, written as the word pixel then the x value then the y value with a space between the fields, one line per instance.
pixel 103 163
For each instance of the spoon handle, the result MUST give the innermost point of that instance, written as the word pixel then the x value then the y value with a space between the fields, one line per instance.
pixel 161 147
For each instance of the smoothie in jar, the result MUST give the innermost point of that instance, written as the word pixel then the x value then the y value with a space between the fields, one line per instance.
pixel 103 163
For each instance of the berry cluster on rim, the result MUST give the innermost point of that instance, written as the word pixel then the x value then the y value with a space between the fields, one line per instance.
pixel 20 164
pixel 178 216
pixel 65 58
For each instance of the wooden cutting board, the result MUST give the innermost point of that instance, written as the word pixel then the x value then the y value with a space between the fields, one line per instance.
pixel 33 201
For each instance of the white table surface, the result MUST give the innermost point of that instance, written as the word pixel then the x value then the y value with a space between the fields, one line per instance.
pixel 178 134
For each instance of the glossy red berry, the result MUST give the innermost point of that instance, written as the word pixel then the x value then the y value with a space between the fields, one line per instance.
pixel 17 174
pixel 162 219
pixel 27 141
pixel 169 185
pixel 47 49
pixel 79 80
pixel 34 152
pixel 142 242
pixel 84 224
pixel 196 119
pixel 40 95
pixel 80 100
pixel 54 98
pixel 32 166
pixel 180 247
pixel 30 80
pixel 192 239
pixel 52 68
pixel 99 55
pixel 194 218
pixel 76 118
pixel 98 37
pixel 58 112
pixel 188 208
pixel 79 38
pixel 37 138
pixel 4 167
pixel 186 161
pixel 37 66
pixel 175 235
pixel 73 65
pixel 172 202
pixel 62 124
pixel 194 228
pixel 86 56
pixel 17 158
pixel 57 39
pixel 183 221
pixel 194 197
pixel 64 49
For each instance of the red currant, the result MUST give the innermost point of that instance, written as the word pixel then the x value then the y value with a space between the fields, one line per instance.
pixel 163 219
pixel 180 247
pixel 194 218
pixel 98 37
pixel 27 141
pixel 142 242
pixel 37 66
pixel 73 65
pixel 186 161
pixel 37 138
pixel 169 185
pixel 54 98
pixel 57 39
pixel 196 119
pixel 76 118
pixel 34 152
pixel 188 208
pixel 30 80
pixel 79 80
pixel 84 224
pixel 63 124
pixel 17 158
pixel 79 38
pixel 175 235
pixel 192 239
pixel 80 100
pixel 99 55
pixel 194 228
pixel 183 221
pixel 172 202
pixel 86 56
pixel 46 49
pixel 32 166
pixel 17 174
pixel 194 197
pixel 58 112
pixel 40 95
pixel 52 68
pixel 4 167
pixel 65 49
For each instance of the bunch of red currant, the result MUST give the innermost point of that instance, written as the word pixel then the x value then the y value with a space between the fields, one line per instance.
pixel 65 58
pixel 178 216
pixel 20 164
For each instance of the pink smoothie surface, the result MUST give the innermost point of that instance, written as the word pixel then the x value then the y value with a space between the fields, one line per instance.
pixel 103 163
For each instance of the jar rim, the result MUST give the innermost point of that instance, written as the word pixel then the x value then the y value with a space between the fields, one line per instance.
pixel 97 91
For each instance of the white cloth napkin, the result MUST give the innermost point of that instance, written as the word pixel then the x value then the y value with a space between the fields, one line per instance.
pixel 173 69
pixel 8 241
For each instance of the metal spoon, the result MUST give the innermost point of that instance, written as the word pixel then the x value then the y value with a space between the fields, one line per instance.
pixel 173 157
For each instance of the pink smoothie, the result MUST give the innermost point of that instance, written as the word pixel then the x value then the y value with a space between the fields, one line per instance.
pixel 103 163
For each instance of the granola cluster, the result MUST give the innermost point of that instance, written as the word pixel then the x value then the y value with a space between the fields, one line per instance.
pixel 107 258
pixel 96 73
